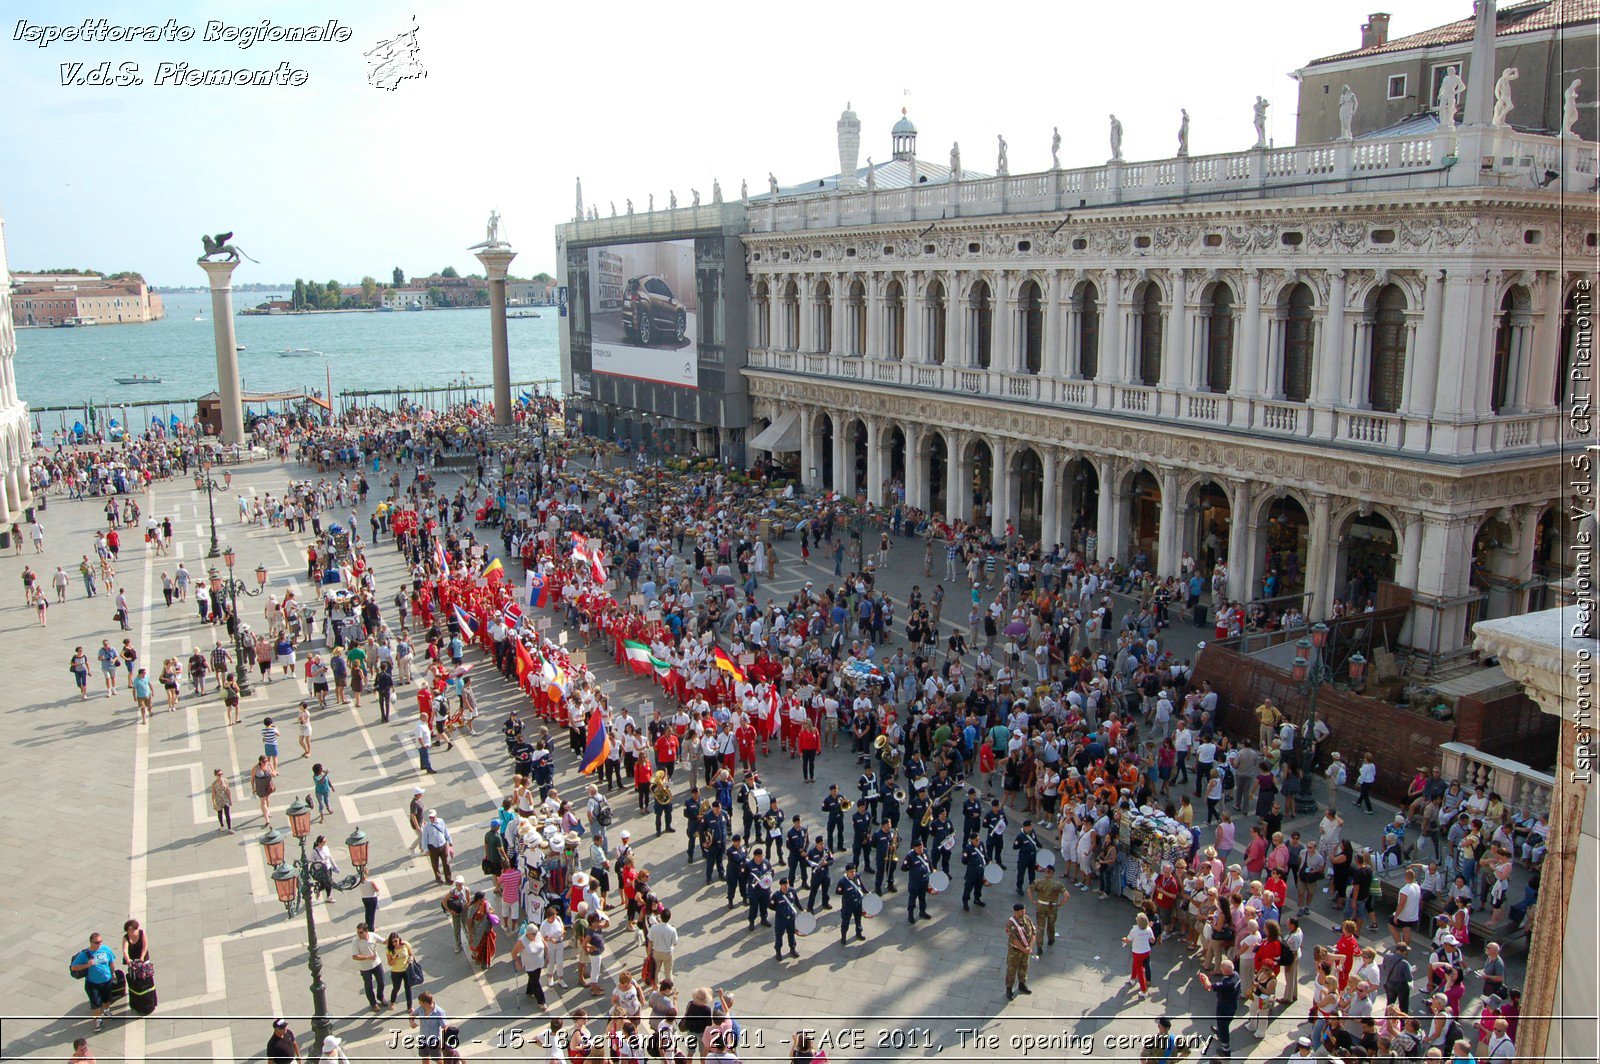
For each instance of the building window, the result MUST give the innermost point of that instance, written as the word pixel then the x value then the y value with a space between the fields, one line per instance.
pixel 1088 332
pixel 936 323
pixel 1569 364
pixel 894 321
pixel 763 315
pixel 1397 87
pixel 1387 364
pixel 1298 330
pixel 1219 340
pixel 1514 313
pixel 1031 308
pixel 822 300
pixel 857 318
pixel 791 317
pixel 981 306
pixel 1149 304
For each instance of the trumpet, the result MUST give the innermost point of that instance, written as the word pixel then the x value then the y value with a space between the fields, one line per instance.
pixel 900 796
pixel 845 805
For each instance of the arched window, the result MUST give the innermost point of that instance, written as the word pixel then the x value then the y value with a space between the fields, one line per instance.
pixel 1149 305
pixel 1569 348
pixel 856 321
pixel 791 317
pixel 981 304
pixel 936 323
pixel 1510 349
pixel 1219 339
pixel 894 321
pixel 1387 364
pixel 1088 331
pixel 822 313
pixel 763 322
pixel 1031 307
pixel 1298 330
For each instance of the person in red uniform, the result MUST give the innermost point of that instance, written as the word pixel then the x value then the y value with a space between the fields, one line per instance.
pixel 1348 949
pixel 667 752
pixel 745 738
pixel 810 743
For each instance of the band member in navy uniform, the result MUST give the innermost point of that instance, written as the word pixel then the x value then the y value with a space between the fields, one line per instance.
pixel 994 840
pixel 785 906
pixel 942 790
pixel 795 843
pixel 819 859
pixel 883 841
pixel 747 804
pixel 942 841
pixel 916 808
pixel 917 869
pixel 1027 846
pixel 692 819
pixel 851 891
pixel 889 809
pixel 833 805
pixel 759 879
pixel 861 847
pixel 870 791
pixel 714 826
pixel 974 861
pixel 971 814
pixel 738 862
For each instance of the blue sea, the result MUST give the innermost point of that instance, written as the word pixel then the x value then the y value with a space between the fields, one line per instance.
pixel 403 349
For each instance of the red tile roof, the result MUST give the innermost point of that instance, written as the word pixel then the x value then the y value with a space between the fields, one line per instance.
pixel 1520 18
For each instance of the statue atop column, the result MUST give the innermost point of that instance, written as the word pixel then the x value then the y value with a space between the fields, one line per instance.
pixel 630 206
pixel 672 200
pixel 955 161
pixel 1347 113
pixel 872 176
pixel 1261 121
pixel 1502 96
pixel 1116 140
pixel 1569 108
pixel 613 208
pixel 1055 147
pixel 744 192
pixel 491 238
pixel 716 191
pixel 695 202
pixel 580 201
pixel 1002 166
pixel 1450 89
pixel 772 185
pixel 1183 135
pixel 651 201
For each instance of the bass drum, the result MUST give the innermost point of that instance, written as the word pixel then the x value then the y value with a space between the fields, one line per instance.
pixel 938 883
pixel 1047 859
pixel 993 873
pixel 805 923
pixel 761 800
pixel 871 905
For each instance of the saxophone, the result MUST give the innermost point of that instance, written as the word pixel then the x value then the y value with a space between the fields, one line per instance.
pixel 927 816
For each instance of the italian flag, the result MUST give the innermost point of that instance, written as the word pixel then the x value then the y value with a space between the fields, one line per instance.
pixel 663 668
pixel 638 655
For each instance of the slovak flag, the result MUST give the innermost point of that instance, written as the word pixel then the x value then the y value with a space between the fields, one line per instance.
pixel 469 627
pixel 598 745
pixel 538 591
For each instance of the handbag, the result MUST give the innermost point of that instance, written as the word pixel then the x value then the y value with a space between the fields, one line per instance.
pixel 414 973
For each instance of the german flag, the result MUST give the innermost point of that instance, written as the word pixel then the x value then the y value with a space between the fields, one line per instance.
pixel 727 664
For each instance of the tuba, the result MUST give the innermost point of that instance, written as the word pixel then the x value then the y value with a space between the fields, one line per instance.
pixel 660 789
pixel 892 758
pixel 899 796
pixel 880 744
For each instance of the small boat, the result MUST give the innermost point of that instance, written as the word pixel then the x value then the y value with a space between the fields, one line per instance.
pixel 300 352
pixel 524 314
pixel 139 378
pixel 238 347
pixel 199 317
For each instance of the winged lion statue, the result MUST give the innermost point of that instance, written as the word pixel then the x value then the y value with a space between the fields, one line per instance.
pixel 218 245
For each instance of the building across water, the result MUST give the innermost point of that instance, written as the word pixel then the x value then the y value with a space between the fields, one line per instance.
pixel 80 299
pixel 1349 363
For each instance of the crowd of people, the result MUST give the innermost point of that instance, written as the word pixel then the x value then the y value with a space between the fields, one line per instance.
pixel 1052 721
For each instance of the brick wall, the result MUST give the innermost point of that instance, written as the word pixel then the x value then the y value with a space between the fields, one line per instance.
pixel 1511 727
pixel 1400 740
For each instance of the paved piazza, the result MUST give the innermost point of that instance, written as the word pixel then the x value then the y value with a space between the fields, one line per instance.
pixel 110 819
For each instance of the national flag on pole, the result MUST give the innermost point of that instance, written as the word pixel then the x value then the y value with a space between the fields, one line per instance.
pixel 580 547
pixel 597 568
pixel 525 662
pixel 469 627
pixel 511 613
pixel 440 558
pixel 494 571
pixel 638 655
pixel 538 591
pixel 598 745
pixel 663 668
pixel 769 713
pixel 727 664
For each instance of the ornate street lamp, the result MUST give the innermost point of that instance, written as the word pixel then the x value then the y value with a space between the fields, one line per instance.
pixel 241 675
pixel 296 886
pixel 203 482
pixel 1309 672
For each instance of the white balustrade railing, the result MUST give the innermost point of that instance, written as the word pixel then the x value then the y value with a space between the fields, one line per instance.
pixel 1520 787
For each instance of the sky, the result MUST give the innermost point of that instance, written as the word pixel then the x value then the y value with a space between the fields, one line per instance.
pixel 335 178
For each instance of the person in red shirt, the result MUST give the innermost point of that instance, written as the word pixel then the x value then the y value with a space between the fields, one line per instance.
pixel 1349 948
pixel 667 752
pixel 1268 957
pixel 641 781
pixel 745 737
pixel 1277 887
pixel 810 743
pixel 1167 889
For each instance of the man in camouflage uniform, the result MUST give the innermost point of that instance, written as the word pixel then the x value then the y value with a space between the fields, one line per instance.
pixel 1047 894
pixel 1020 938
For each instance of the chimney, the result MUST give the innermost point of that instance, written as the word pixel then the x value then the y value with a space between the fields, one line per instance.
pixel 1376 31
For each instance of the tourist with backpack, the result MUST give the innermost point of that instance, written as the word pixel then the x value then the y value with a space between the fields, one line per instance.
pixel 96 965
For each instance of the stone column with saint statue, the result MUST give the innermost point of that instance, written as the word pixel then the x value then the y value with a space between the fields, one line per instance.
pixel 219 273
pixel 496 256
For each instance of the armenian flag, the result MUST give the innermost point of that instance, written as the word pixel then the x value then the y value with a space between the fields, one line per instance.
pixel 727 664
pixel 638 655
pixel 538 591
pixel 598 746
pixel 469 627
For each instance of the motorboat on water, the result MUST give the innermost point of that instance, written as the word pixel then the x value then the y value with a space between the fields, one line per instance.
pixel 523 314
pixel 199 317
pixel 300 352
pixel 139 378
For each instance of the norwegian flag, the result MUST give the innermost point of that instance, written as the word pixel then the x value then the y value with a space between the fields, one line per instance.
pixel 511 614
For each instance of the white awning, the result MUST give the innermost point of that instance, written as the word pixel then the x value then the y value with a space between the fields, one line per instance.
pixel 782 435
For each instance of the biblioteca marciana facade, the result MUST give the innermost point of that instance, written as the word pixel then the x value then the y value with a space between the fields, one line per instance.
pixel 1357 359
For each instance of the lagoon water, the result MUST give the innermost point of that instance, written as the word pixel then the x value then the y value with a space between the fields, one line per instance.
pixel 403 349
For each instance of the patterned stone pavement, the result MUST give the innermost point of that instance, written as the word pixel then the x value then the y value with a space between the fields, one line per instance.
pixel 109 819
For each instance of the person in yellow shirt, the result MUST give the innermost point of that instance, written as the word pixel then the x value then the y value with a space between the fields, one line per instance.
pixel 1270 717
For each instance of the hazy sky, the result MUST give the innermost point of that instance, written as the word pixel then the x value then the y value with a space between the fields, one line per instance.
pixel 337 179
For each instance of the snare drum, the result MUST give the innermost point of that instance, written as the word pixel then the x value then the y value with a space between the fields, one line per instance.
pixel 938 883
pixel 871 905
pixel 993 873
pixel 805 923
pixel 1046 859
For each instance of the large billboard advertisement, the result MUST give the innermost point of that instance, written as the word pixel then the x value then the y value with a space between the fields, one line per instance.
pixel 643 312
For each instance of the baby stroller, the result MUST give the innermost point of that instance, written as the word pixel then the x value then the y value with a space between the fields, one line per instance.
pixel 488 515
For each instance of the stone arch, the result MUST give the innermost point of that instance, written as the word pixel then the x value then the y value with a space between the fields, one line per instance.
pixel 980 309
pixel 935 301
pixel 761 321
pixel 1150 322
pixel 1031 311
pixel 789 315
pixel 1283 519
pixel 1025 470
pixel 1387 314
pixel 1206 520
pixel 1513 341
pixel 822 313
pixel 894 318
